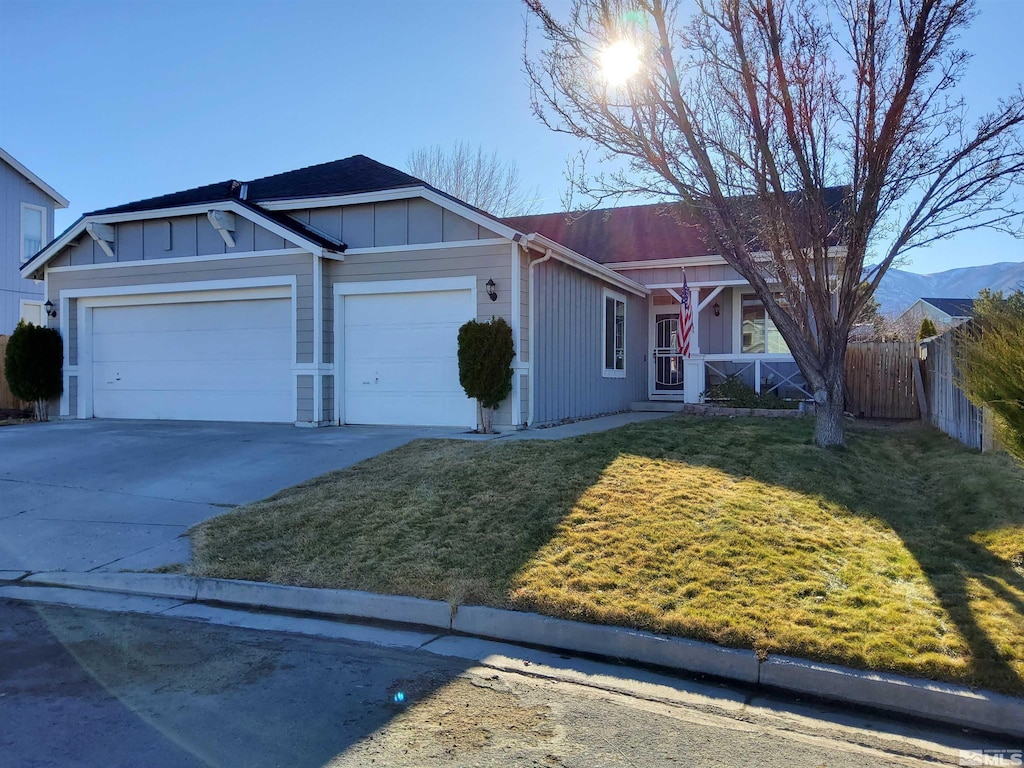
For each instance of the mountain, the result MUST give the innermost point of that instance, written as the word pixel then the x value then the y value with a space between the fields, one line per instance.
pixel 899 289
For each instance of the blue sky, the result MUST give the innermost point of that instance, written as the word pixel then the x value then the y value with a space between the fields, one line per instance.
pixel 113 101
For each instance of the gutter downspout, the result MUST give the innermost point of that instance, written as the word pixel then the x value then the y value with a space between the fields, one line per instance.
pixel 533 333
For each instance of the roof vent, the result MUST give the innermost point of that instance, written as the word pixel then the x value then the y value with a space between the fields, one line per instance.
pixel 244 193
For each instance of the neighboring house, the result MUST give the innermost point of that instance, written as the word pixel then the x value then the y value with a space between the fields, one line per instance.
pixel 334 293
pixel 26 224
pixel 945 313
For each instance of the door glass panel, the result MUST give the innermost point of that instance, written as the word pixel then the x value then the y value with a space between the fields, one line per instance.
pixel 668 363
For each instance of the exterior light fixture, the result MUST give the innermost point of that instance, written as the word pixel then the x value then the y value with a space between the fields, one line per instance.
pixel 490 289
pixel 717 309
pixel 50 310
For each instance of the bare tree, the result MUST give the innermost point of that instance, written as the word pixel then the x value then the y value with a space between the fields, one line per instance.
pixel 750 112
pixel 483 180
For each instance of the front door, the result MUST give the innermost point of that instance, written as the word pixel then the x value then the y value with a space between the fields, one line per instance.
pixel 667 373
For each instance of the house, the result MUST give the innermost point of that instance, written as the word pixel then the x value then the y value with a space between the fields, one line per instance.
pixel 333 295
pixel 943 312
pixel 26 215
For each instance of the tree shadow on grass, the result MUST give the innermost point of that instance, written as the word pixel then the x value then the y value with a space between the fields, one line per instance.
pixel 463 522
pixel 935 495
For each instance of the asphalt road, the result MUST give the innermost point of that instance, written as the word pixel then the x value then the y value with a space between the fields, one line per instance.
pixel 87 688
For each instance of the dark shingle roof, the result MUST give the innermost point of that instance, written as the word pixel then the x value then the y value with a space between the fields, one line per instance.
pixel 635 232
pixel 341 177
pixel 953 307
pixel 210 193
pixel 350 176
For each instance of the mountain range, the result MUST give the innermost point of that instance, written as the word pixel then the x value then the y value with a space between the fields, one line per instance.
pixel 899 288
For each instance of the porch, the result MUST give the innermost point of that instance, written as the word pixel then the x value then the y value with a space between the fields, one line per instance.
pixel 733 339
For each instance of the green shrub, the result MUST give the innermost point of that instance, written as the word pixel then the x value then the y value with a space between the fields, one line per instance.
pixel 927 329
pixel 991 362
pixel 733 392
pixel 33 366
pixel 485 364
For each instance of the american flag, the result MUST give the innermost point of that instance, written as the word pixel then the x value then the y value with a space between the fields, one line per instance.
pixel 685 320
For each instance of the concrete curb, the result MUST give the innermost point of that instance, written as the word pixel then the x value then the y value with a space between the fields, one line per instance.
pixel 984 710
pixel 940 702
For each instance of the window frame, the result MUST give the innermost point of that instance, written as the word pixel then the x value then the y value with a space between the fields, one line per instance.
pixel 617 298
pixel 21 229
pixel 766 322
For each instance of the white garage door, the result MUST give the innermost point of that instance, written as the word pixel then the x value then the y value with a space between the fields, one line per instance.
pixel 210 361
pixel 401 359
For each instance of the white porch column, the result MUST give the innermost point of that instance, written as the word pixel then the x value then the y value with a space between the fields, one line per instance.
pixel 693 379
pixel 694 305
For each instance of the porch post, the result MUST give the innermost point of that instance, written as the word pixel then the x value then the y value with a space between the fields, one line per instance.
pixel 693 379
pixel 695 304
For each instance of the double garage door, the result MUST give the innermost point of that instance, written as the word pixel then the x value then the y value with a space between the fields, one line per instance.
pixel 225 360
pixel 229 358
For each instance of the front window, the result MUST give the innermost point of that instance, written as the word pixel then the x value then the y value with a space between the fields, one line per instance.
pixel 759 334
pixel 614 334
pixel 32 218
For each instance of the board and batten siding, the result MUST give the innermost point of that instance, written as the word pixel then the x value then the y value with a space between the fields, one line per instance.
pixel 482 262
pixel 298 265
pixel 173 237
pixel 15 189
pixel 674 275
pixel 569 354
pixel 393 223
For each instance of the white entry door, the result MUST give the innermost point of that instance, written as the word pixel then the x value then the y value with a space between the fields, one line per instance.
pixel 226 360
pixel 401 358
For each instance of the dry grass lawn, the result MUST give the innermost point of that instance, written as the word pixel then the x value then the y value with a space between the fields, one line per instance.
pixel 903 552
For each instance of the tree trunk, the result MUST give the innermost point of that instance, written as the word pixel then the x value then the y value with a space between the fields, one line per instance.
pixel 830 404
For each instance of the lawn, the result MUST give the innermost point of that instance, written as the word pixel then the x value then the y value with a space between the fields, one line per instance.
pixel 903 552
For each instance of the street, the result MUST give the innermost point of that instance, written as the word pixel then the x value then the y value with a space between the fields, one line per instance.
pixel 89 688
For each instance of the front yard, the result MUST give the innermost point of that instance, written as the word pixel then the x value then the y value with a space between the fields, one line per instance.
pixel 902 553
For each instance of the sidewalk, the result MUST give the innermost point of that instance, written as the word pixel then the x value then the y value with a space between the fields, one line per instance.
pixel 436 626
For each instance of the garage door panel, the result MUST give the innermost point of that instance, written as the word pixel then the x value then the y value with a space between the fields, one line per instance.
pixel 401 359
pixel 222 405
pixel 207 345
pixel 165 376
pixel 226 360
pixel 242 315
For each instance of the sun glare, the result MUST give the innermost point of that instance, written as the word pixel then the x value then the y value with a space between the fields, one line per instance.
pixel 620 61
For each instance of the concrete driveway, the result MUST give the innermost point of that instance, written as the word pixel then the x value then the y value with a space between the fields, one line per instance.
pixel 116 495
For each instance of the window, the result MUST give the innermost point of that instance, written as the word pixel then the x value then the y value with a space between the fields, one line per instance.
pixel 759 334
pixel 33 219
pixel 614 335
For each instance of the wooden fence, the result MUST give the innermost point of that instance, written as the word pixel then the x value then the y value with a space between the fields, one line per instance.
pixel 948 406
pixel 7 400
pixel 883 380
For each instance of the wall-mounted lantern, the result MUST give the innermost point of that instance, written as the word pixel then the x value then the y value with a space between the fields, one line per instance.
pixel 490 285
pixel 717 309
pixel 51 311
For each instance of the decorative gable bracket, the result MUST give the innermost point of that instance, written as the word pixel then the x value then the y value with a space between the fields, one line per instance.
pixel 224 223
pixel 103 234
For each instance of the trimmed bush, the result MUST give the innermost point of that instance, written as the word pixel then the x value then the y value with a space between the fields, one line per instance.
pixel 34 366
pixel 927 329
pixel 485 364
pixel 733 392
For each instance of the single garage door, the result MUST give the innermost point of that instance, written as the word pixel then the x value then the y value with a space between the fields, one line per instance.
pixel 401 359
pixel 226 360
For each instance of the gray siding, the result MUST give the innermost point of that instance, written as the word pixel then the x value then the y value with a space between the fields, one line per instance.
pixel 15 189
pixel 304 388
pixel 328 385
pixel 392 223
pixel 674 275
pixel 172 237
pixel 715 334
pixel 72 397
pixel 568 358
pixel 483 262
